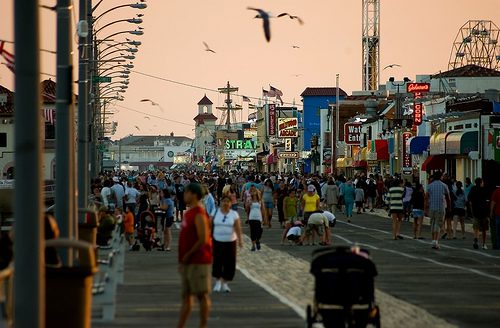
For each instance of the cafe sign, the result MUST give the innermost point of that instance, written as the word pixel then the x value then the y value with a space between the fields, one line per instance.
pixel 288 127
pixel 418 87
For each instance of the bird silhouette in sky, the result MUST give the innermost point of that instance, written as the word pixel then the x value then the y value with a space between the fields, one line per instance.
pixel 392 66
pixel 301 22
pixel 265 22
pixel 147 117
pixel 153 103
pixel 137 128
pixel 295 47
pixel 207 48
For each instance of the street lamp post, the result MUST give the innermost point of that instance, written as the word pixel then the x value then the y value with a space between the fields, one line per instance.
pixel 83 114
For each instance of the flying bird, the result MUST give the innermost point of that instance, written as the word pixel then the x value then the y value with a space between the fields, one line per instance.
pixel 207 48
pixel 295 47
pixel 392 66
pixel 138 129
pixel 265 22
pixel 301 22
pixel 147 117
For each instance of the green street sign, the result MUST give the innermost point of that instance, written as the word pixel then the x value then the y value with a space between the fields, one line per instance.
pixel 101 79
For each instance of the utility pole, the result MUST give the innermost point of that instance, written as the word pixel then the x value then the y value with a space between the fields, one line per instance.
pixel 83 100
pixel 337 125
pixel 29 285
pixel 65 210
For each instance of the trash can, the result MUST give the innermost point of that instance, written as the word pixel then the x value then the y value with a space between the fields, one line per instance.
pixel 69 289
pixel 87 230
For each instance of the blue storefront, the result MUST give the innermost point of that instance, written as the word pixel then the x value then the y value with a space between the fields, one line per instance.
pixel 315 100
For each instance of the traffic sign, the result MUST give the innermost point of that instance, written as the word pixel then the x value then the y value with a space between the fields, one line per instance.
pixel 101 79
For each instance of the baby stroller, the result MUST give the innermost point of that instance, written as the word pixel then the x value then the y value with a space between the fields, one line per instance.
pixel 146 233
pixel 344 293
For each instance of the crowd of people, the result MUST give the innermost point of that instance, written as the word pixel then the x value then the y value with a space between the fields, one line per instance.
pixel 205 208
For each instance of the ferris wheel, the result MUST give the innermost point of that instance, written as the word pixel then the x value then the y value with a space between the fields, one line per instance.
pixel 476 43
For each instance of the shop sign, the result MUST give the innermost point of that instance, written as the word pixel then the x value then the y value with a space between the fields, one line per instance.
pixel 240 144
pixel 417 113
pixel 352 134
pixel 288 144
pixel 249 133
pixel 418 87
pixel 327 154
pixel 288 127
pixel 232 154
pixel 288 155
pixel 406 155
pixel 271 131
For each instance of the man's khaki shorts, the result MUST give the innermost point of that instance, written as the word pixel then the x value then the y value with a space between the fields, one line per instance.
pixel 437 219
pixel 196 279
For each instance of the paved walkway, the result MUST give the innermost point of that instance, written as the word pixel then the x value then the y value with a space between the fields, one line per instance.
pixel 150 297
pixel 273 286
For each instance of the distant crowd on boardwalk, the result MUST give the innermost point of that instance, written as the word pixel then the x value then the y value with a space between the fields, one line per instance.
pixel 296 196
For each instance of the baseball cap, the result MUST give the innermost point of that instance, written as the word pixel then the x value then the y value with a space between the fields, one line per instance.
pixel 311 188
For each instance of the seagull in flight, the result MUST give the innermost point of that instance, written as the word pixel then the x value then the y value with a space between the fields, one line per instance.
pixel 152 103
pixel 391 66
pixel 147 117
pixel 265 22
pixel 138 129
pixel 207 48
pixel 301 22
pixel 295 47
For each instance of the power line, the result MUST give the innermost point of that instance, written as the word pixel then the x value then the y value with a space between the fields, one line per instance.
pixel 194 86
pixel 155 116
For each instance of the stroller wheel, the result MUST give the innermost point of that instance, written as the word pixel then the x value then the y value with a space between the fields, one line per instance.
pixel 309 317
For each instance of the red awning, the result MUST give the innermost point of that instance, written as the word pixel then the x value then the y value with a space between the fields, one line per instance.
pixel 433 162
pixel 382 149
pixel 360 164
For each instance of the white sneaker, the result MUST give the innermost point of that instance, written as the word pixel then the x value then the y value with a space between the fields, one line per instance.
pixel 217 286
pixel 485 247
pixel 225 288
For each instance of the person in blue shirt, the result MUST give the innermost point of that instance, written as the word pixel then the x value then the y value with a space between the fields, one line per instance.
pixel 167 207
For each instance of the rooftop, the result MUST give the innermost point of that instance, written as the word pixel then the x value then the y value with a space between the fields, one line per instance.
pixel 150 140
pixel 205 101
pixel 7 108
pixel 200 118
pixel 322 92
pixel 468 71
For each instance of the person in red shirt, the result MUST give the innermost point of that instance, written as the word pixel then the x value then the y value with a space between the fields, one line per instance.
pixel 195 256
pixel 495 217
pixel 128 224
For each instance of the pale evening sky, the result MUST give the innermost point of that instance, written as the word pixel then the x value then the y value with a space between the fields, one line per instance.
pixel 415 34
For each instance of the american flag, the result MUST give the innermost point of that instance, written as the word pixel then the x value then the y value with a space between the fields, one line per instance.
pixel 269 94
pixel 9 58
pixel 50 115
pixel 246 99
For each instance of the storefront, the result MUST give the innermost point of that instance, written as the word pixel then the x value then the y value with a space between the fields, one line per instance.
pixel 381 149
pixel 462 154
pixel 342 164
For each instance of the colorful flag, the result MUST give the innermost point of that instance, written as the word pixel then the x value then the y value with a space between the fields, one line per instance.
pixel 276 91
pixel 50 115
pixel 9 58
